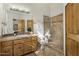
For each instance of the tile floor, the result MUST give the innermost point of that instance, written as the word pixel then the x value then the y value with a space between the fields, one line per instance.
pixel 49 50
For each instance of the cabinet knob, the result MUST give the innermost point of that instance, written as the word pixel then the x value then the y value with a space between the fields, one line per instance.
pixel 19 47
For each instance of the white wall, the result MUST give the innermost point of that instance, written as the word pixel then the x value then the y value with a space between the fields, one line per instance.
pixel 56 9
pixel 0 16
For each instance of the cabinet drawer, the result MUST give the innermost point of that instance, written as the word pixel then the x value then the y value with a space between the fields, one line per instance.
pixel 27 39
pixel 7 51
pixel 34 41
pixel 6 43
pixel 34 46
pixel 34 38
pixel 18 49
pixel 27 49
pixel 18 41
pixel 29 43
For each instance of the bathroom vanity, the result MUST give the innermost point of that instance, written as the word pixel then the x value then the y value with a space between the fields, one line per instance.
pixel 18 45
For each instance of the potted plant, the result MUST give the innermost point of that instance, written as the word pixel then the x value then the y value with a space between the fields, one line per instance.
pixel 29 29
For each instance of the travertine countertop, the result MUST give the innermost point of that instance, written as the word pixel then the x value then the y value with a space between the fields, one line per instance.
pixel 74 37
pixel 16 37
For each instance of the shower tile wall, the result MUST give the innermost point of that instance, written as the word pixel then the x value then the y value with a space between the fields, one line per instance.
pixel 55 25
pixel 57 31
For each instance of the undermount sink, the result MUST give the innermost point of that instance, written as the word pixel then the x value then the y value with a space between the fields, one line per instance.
pixel 23 35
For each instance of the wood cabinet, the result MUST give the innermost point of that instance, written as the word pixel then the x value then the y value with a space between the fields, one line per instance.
pixel 27 48
pixel 6 43
pixel 18 41
pixel 18 47
pixel 7 48
pixel 27 45
pixel 72 29
pixel 34 43
pixel 8 51
pixel 30 44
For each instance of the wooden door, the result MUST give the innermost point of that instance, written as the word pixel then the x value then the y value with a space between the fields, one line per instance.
pixel 72 18
pixel 76 17
pixel 30 25
pixel 72 12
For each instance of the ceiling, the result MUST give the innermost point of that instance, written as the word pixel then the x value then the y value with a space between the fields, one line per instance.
pixel 29 5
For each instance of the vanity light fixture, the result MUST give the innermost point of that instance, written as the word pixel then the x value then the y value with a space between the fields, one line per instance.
pixel 19 10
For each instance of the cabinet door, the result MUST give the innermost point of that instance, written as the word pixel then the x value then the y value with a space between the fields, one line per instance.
pixel 72 47
pixel 7 51
pixel 0 48
pixel 6 43
pixel 27 49
pixel 18 41
pixel 72 25
pixel 18 49
pixel 27 45
pixel 34 43
pixel 28 41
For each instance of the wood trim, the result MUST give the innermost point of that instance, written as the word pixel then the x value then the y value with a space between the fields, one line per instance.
pixel 57 15
pixel 57 21
pixel 68 4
